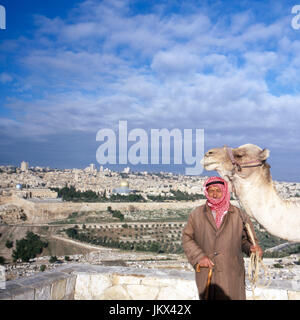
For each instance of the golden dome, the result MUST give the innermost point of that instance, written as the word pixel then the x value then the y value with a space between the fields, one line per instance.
pixel 124 184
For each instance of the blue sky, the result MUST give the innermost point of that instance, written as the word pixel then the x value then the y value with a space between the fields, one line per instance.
pixel 70 68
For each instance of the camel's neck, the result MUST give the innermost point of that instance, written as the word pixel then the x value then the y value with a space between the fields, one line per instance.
pixel 261 201
pixel 255 192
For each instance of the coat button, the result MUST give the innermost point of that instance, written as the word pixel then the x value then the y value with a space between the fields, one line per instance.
pixel 215 253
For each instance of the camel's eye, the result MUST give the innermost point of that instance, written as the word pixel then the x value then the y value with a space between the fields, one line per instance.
pixel 238 156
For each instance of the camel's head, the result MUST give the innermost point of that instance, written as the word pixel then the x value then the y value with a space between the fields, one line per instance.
pixel 219 159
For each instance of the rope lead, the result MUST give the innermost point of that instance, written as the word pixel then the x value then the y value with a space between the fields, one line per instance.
pixel 253 267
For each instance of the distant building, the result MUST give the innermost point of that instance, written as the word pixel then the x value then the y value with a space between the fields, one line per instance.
pixel 41 193
pixel 122 189
pixel 24 166
pixel 76 175
pixel 90 168
pixel 126 170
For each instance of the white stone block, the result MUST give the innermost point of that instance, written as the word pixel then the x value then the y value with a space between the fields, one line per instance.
pixel 70 285
pixel 187 288
pixel 58 289
pixel 81 287
pixel 43 293
pixel 117 292
pixel 125 279
pixel 23 294
pixel 141 292
pixel 98 284
pixel 154 282
pixel 91 286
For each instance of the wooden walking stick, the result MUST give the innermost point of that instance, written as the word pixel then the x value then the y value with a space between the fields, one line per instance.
pixel 206 292
pixel 208 283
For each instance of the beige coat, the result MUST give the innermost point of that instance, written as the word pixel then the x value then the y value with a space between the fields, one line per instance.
pixel 224 246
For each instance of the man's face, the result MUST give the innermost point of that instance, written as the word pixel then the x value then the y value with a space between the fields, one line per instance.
pixel 214 192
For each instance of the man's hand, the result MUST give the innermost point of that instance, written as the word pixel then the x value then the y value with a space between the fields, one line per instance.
pixel 205 262
pixel 258 249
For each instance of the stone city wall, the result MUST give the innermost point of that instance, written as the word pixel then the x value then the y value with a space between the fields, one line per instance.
pixel 102 206
pixel 35 193
pixel 41 212
pixel 94 282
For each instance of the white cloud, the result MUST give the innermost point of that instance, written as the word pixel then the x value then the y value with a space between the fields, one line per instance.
pixel 5 78
pixel 104 63
pixel 175 61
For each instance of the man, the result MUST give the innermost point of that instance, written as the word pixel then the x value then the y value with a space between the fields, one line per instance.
pixel 215 237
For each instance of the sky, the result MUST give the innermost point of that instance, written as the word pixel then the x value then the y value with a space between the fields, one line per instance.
pixel 71 68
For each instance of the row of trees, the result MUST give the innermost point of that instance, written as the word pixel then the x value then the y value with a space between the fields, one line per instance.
pixel 177 195
pixel 132 197
pixel 152 246
pixel 70 194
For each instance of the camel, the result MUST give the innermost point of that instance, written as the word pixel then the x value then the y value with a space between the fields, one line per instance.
pixel 248 174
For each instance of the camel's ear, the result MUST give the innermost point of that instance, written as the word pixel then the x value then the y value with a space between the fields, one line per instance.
pixel 239 152
pixel 264 154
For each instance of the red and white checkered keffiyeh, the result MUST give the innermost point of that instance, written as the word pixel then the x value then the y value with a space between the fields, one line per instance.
pixel 220 206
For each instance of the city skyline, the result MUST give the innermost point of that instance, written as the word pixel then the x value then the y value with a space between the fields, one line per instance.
pixel 71 68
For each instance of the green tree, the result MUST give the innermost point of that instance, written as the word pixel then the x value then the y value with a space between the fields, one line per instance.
pixel 43 267
pixel 154 247
pixel 9 244
pixel 53 259
pixel 72 232
pixel 28 247
pixel 2 260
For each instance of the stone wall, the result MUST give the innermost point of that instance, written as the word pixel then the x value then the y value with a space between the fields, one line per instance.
pixel 50 285
pixel 35 193
pixel 88 282
pixel 115 283
pixel 59 208
pixel 42 212
pixel 47 211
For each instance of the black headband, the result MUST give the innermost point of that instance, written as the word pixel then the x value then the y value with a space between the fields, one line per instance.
pixel 214 182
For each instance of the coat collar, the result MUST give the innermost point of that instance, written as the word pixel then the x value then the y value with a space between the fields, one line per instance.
pixel 209 216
